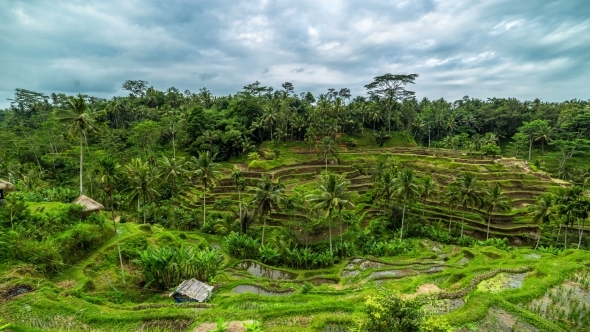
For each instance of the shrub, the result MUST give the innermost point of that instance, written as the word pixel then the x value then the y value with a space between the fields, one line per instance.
pixel 166 267
pixel 253 156
pixel 242 246
pixel 307 287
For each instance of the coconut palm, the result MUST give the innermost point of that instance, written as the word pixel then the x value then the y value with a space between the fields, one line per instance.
pixel 406 190
pixel 171 170
pixel 238 178
pixel 428 189
pixel 108 176
pixel 452 198
pixel 142 178
pixel 468 194
pixel 268 196
pixel 543 211
pixel 206 172
pixel 327 147
pixel 494 199
pixel 80 122
pixel 384 186
pixel 332 195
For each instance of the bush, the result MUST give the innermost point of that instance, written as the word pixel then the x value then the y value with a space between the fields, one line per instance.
pixel 132 246
pixel 166 267
pixel 242 246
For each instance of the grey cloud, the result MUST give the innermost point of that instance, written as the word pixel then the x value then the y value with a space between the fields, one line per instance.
pixel 461 47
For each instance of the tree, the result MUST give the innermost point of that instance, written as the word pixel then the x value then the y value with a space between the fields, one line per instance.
pixel 406 190
pixel 80 122
pixel 385 185
pixel 327 147
pixel 206 172
pixel 109 175
pixel 238 178
pixel 494 199
pixel 544 133
pixel 428 189
pixel 171 170
pixel 332 195
pixel 543 212
pixel 142 179
pixel 391 88
pixel 467 193
pixel 268 196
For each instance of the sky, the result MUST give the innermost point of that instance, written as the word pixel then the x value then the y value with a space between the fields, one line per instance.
pixel 480 48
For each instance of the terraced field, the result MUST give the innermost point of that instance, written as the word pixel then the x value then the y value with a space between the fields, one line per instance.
pixel 520 184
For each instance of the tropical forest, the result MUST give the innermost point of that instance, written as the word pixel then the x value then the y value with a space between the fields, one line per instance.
pixel 293 211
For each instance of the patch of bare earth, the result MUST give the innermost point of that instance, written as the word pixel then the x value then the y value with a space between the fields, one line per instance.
pixel 234 326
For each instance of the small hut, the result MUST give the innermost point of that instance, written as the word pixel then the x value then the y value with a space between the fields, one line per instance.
pixel 5 187
pixel 192 291
pixel 89 204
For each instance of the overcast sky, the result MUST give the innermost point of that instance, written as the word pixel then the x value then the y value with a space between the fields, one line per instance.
pixel 480 48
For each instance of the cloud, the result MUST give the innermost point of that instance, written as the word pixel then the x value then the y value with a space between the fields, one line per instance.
pixel 487 48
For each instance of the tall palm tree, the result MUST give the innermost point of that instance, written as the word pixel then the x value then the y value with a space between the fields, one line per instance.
pixel 452 198
pixel 385 185
pixel 268 196
pixel 544 133
pixel 406 190
pixel 108 177
pixel 494 199
pixel 80 122
pixel 327 147
pixel 543 211
pixel 206 172
pixel 142 178
pixel 171 170
pixel 469 194
pixel 238 178
pixel 332 195
pixel 428 189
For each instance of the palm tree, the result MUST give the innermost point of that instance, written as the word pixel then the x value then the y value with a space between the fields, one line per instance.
pixel 327 147
pixel 142 179
pixel 80 122
pixel 494 199
pixel 171 170
pixel 428 189
pixel 238 178
pixel 452 197
pixel 469 194
pixel 109 175
pixel 333 195
pixel 205 170
pixel 543 211
pixel 268 196
pixel 384 186
pixel 406 190
pixel 270 118
pixel 544 134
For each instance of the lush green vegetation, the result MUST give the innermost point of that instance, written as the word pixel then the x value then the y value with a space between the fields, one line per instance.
pixel 305 212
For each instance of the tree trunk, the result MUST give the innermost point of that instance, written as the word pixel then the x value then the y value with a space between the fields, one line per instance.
pixel 558 233
pixel 429 137
pixel 173 146
pixel 462 223
pixel 538 238
pixel 489 218
pixel 580 231
pixel 240 203
pixel 530 146
pixel 330 232
pixel 81 163
pixel 341 232
pixel 401 234
pixel 204 201
pixel 451 220
pixel 143 209
pixel 117 239
pixel 263 229
pixel 567 228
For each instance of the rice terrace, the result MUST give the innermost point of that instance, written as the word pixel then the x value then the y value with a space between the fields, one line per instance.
pixel 342 194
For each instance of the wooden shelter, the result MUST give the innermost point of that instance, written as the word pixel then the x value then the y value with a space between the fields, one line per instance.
pixel 192 290
pixel 89 204
pixel 5 187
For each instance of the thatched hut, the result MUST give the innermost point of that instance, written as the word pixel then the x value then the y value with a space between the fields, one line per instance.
pixel 5 186
pixel 89 204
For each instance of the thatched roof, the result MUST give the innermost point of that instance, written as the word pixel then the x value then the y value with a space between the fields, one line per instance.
pixel 5 185
pixel 194 289
pixel 89 204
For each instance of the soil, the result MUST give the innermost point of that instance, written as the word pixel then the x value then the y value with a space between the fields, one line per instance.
pixel 234 326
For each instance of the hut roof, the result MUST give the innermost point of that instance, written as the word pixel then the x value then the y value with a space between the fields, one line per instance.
pixel 194 289
pixel 5 185
pixel 89 204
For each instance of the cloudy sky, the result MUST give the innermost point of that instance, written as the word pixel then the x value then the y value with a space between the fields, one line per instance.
pixel 480 48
